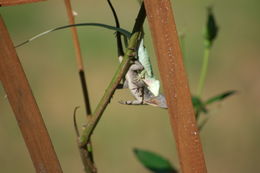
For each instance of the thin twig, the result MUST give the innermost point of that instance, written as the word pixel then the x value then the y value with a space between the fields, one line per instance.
pixel 86 154
pixel 78 57
pixel 16 2
pixel 120 73
pixel 75 121
pixel 75 35
pixel 204 71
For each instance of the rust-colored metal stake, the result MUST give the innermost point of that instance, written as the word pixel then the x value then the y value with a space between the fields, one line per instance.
pixel 26 111
pixel 16 2
pixel 175 85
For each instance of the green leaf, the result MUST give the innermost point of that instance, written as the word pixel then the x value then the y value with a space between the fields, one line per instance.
pixel 198 105
pixel 154 162
pixel 220 97
pixel 211 29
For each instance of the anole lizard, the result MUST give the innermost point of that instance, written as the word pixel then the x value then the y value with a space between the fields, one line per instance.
pixel 137 86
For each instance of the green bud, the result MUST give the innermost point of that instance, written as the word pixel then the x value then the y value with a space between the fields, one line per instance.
pixel 211 29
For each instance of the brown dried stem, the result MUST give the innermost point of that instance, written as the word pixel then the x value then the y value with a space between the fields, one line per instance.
pixel 175 84
pixel 78 57
pixel 25 108
pixel 16 2
pixel 85 153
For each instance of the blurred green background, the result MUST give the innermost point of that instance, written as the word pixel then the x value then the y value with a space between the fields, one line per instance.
pixel 230 139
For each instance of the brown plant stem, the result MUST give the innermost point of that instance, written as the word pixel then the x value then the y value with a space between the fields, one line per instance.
pixel 85 153
pixel 175 85
pixel 120 73
pixel 16 2
pixel 25 108
pixel 78 57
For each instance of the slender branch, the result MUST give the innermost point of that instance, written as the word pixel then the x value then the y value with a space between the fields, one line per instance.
pixel 78 57
pixel 16 2
pixel 204 70
pixel 89 167
pixel 85 91
pixel 120 73
pixel 75 35
pixel 75 121
pixel 85 153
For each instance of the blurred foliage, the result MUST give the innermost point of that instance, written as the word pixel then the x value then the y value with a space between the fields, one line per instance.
pixel 200 106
